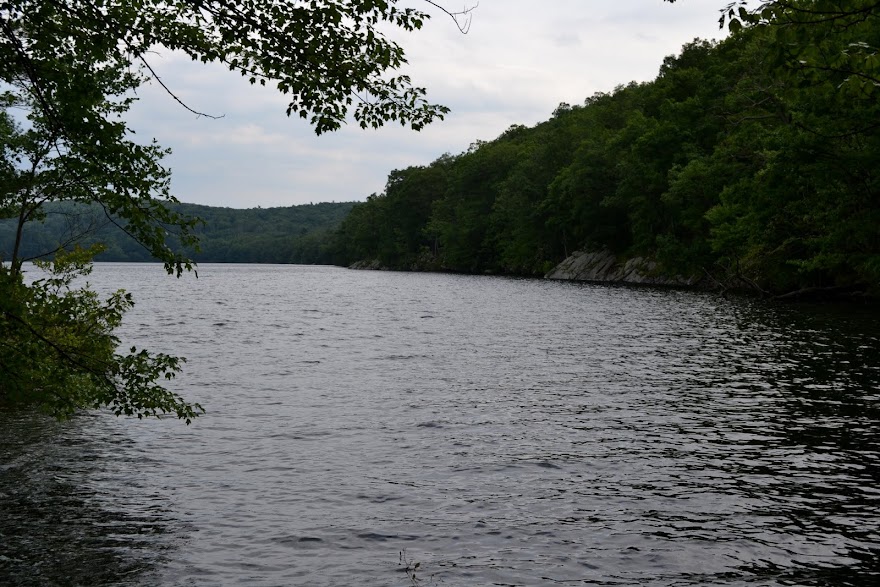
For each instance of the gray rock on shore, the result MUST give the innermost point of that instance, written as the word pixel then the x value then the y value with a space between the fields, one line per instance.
pixel 605 267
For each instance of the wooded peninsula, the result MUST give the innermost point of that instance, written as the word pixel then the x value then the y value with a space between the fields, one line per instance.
pixel 750 162
pixel 744 162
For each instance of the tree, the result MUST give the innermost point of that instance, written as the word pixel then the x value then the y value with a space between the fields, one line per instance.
pixel 810 215
pixel 69 70
pixel 751 162
pixel 59 351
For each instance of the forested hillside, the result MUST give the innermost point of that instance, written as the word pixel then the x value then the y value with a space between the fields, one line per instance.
pixel 295 234
pixel 754 160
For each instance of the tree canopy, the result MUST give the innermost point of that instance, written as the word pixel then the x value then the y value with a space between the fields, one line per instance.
pixel 750 162
pixel 69 71
pixel 291 234
pixel 72 66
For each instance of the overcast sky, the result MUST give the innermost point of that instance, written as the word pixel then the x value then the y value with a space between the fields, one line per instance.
pixel 518 62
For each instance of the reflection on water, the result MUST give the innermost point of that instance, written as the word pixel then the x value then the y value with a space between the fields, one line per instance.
pixel 59 522
pixel 501 431
pixel 827 373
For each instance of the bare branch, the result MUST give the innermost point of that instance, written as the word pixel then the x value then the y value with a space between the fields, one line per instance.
pixel 462 18
pixel 156 77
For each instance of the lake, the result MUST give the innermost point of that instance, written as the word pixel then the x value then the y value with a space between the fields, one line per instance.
pixel 494 431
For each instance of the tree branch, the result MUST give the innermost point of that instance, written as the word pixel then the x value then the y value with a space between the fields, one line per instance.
pixel 466 12
pixel 177 99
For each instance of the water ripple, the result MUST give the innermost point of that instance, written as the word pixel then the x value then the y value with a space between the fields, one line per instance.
pixel 497 431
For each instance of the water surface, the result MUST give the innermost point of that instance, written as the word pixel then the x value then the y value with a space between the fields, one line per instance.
pixel 496 431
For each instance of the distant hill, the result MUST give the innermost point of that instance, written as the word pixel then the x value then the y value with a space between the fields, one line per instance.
pixel 294 234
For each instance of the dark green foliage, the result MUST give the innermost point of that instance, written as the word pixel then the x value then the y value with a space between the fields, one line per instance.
pixel 753 161
pixel 58 350
pixel 294 234
pixel 69 71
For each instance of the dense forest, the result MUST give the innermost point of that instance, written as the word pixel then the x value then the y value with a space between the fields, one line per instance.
pixel 751 161
pixel 294 234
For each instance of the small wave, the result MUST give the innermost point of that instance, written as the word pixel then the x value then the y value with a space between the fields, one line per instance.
pixel 431 424
pixel 298 541
pixel 376 537
pixel 378 498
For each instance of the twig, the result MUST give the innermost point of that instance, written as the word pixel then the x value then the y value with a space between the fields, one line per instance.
pixel 465 12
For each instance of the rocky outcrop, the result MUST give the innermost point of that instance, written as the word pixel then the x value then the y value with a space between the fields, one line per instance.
pixel 373 265
pixel 603 266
